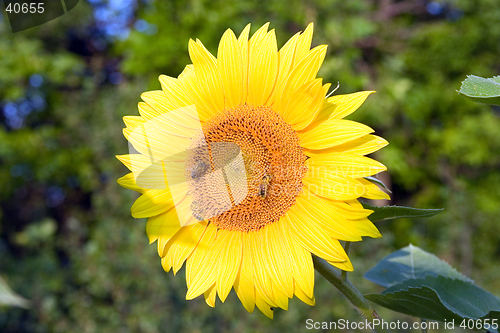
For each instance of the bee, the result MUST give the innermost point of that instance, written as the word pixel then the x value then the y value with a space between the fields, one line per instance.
pixel 199 170
pixel 264 186
pixel 197 211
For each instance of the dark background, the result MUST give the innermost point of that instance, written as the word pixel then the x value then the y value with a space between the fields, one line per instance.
pixel 67 240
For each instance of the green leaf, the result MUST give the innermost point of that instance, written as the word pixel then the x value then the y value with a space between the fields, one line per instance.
pixel 395 212
pixel 8 297
pixel 378 182
pixel 439 298
pixel 481 90
pixel 410 262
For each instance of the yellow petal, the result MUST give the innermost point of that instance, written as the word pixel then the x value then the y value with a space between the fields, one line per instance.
pixel 157 100
pixel 204 274
pixel 366 228
pixel 332 133
pixel 274 263
pixel 197 261
pixel 304 72
pixel 361 146
pixel 186 74
pixel 182 122
pixel 128 181
pixel 133 121
pixel 345 266
pixel 333 186
pixel 304 43
pixel 263 306
pixel 175 94
pixel 366 145
pixel 180 246
pixel 183 205
pixel 147 112
pixel 183 244
pixel 194 87
pixel 261 277
pixel 244 284
pixel 243 45
pixel 326 87
pixel 151 203
pixel 210 296
pixel 301 260
pixel 355 204
pixel 322 115
pixel 304 104
pixel 325 217
pixel 348 211
pixel 136 158
pixel 303 297
pixel 344 105
pixel 314 241
pixel 207 75
pixel 197 92
pixel 168 229
pixel 351 165
pixel 229 260
pixel 163 227
pixel 147 173
pixel 265 294
pixel 279 254
pixel 280 298
pixel 286 55
pixel 154 143
pixel 230 69
pixel 166 264
pixel 262 66
pixel 373 191
pixel 152 174
pixel 152 177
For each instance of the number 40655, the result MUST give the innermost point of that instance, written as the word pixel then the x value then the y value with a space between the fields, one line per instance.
pixel 25 8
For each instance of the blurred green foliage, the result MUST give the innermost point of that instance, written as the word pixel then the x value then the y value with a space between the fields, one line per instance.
pixel 67 240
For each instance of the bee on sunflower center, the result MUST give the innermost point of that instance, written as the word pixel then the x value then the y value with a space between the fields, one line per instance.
pixel 264 186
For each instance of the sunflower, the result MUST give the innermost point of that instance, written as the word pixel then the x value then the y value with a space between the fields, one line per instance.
pixel 297 170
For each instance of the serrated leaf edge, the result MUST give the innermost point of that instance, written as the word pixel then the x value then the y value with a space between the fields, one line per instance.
pixel 479 97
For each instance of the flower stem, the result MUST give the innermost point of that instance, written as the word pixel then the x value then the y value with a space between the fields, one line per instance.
pixel 357 299
pixel 346 249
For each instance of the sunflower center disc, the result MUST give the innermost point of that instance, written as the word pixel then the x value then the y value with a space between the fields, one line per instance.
pixel 273 162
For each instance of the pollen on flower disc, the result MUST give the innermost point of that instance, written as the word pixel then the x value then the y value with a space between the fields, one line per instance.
pixel 273 162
